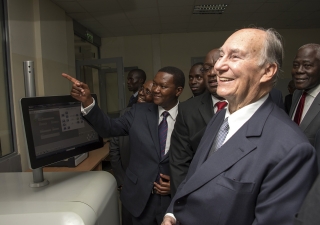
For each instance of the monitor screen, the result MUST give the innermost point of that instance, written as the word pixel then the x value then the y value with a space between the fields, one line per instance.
pixel 55 129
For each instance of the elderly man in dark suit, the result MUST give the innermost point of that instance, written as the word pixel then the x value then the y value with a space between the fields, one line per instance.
pixel 305 109
pixel 146 188
pixel 253 164
pixel 191 123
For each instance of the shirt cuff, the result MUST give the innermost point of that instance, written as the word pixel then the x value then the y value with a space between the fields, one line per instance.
pixel 171 214
pixel 86 110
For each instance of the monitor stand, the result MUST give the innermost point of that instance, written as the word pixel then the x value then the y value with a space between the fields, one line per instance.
pixel 38 179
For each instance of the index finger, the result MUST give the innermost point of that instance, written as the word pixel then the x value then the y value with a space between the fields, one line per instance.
pixel 72 79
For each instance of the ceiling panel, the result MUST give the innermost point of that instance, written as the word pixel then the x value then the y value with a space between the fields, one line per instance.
pixel 132 17
pixel 176 11
pixel 142 13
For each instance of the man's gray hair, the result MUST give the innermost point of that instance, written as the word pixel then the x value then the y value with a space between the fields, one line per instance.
pixel 314 46
pixel 272 51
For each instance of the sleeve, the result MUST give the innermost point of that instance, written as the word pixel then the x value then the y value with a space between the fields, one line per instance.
pixel 107 127
pixel 180 153
pixel 285 186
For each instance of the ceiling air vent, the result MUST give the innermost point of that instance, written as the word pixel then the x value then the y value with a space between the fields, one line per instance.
pixel 209 9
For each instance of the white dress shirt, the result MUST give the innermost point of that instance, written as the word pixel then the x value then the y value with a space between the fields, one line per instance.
pixel 214 101
pixel 237 119
pixel 171 119
pixel 311 95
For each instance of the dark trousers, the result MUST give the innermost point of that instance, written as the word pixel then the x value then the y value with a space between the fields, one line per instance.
pixel 126 216
pixel 154 211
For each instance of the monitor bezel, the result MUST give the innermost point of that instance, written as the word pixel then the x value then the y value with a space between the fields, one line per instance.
pixel 41 162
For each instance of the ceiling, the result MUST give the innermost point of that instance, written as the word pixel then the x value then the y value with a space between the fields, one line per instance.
pixel 109 18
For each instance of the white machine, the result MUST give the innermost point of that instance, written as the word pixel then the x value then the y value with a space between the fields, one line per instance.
pixel 71 198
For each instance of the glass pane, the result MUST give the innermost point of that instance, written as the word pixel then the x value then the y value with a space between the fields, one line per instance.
pixel 6 145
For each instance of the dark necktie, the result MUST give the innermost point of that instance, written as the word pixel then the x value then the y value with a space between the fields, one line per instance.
pixel 221 105
pixel 163 130
pixel 131 100
pixel 221 136
pixel 298 115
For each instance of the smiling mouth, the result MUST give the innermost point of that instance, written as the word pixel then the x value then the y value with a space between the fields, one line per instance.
pixel 224 79
pixel 300 79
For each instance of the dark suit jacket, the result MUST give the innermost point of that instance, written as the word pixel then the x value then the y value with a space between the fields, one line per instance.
pixel 288 102
pixel 276 96
pixel 309 212
pixel 259 176
pixel 134 101
pixel 120 154
pixel 141 124
pixel 193 117
pixel 311 122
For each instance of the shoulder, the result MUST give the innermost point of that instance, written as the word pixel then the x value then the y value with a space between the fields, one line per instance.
pixel 284 128
pixel 198 100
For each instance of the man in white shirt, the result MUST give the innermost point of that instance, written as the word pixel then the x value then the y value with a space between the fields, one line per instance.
pixel 146 189
pixel 253 164
pixel 135 79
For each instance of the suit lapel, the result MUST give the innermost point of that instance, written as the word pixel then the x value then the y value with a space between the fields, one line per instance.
pixel 295 100
pixel 311 114
pixel 206 108
pixel 152 118
pixel 237 147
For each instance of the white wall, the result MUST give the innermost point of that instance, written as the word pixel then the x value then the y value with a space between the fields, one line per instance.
pixel 177 50
pixel 41 32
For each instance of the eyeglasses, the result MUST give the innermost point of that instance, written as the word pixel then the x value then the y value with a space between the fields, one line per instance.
pixel 145 91
pixel 205 69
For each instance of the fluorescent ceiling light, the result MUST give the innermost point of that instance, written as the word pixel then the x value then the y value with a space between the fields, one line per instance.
pixel 209 9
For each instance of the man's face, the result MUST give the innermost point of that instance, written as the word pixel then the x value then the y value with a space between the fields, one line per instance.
pixel 165 93
pixel 306 69
pixel 196 82
pixel 133 81
pixel 145 94
pixel 238 68
pixel 210 74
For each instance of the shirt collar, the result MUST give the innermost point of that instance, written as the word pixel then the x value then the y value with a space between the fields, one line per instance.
pixel 215 100
pixel 135 94
pixel 314 91
pixel 239 117
pixel 173 111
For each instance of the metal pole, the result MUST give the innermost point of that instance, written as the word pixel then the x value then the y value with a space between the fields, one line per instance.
pixel 29 83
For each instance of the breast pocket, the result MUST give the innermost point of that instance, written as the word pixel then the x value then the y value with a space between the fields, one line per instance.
pixel 234 185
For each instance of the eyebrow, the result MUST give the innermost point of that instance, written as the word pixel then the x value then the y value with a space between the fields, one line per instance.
pixel 236 50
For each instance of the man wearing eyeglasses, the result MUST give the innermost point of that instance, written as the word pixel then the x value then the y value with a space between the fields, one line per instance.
pixel 120 150
pixel 191 122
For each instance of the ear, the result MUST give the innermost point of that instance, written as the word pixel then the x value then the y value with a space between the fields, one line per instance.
pixel 179 91
pixel 269 73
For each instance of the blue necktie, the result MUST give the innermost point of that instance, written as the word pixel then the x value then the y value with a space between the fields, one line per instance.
pixel 221 136
pixel 163 130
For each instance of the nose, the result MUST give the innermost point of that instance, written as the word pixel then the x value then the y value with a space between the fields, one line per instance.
pixel 300 69
pixel 221 65
pixel 155 89
pixel 193 81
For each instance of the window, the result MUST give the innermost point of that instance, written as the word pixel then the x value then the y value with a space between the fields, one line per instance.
pixel 6 124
